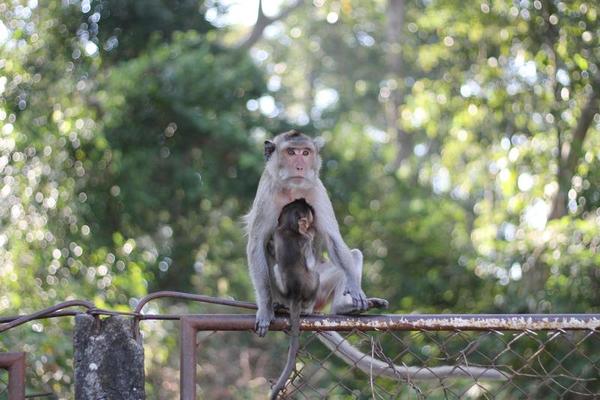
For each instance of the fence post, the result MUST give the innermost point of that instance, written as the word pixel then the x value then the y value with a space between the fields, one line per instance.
pixel 15 364
pixel 187 366
pixel 108 361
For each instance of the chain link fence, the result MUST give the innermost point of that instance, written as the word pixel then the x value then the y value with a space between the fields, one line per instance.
pixel 390 357
pixel 537 365
pixel 3 384
pixel 462 362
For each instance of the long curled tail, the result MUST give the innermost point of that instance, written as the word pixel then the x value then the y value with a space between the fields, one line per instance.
pixel 292 352
pixel 369 365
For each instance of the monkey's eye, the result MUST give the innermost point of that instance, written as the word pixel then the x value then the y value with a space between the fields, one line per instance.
pixel 291 151
pixel 305 152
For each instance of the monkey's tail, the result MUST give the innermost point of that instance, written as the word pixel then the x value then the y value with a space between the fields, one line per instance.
pixel 369 365
pixel 292 352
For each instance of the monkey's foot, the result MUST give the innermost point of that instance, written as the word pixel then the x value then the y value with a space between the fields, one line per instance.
pixel 375 302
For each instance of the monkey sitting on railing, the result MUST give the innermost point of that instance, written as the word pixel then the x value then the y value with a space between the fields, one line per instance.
pixel 294 280
pixel 291 172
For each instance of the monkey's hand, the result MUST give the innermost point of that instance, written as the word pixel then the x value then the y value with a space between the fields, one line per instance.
pixel 263 320
pixel 360 302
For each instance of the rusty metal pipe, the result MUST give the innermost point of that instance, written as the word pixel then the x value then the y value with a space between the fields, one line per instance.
pixel 187 369
pixel 15 364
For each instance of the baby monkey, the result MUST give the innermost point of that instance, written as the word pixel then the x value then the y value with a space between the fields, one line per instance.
pixel 295 282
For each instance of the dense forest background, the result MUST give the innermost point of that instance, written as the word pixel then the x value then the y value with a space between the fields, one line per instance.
pixel 462 155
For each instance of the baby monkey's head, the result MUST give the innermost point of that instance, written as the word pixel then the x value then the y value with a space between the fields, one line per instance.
pixel 297 216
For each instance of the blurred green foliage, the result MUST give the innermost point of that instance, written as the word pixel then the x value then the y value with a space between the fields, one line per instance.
pixel 130 146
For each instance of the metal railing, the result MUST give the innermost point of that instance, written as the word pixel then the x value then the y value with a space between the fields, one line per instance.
pixel 536 356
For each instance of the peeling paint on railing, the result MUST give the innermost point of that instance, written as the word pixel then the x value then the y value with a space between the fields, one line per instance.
pixel 449 322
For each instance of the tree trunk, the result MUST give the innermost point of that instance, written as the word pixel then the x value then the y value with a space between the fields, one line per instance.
pixel 394 35
pixel 570 156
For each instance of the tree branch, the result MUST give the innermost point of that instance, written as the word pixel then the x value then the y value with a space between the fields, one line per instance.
pixel 394 36
pixel 263 21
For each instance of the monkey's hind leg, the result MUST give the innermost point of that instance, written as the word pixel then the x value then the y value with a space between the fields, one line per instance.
pixel 332 277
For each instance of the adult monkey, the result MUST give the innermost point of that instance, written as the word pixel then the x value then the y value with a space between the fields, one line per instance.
pixel 292 172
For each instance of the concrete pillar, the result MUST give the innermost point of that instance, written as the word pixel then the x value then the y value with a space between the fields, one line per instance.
pixel 108 361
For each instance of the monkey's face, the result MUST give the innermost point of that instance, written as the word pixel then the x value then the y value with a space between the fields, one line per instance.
pixel 305 221
pixel 293 159
pixel 297 165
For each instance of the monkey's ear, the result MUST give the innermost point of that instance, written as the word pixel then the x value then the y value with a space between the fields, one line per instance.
pixel 319 142
pixel 269 149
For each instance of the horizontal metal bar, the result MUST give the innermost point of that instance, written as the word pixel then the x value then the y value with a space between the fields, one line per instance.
pixel 374 322
pixel 410 322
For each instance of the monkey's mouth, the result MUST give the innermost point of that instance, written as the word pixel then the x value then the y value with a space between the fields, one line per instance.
pixel 298 181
